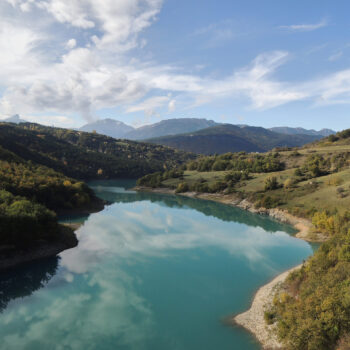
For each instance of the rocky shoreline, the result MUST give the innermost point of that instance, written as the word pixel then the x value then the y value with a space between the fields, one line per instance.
pixel 253 319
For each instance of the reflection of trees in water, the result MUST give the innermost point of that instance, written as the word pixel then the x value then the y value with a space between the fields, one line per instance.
pixel 24 280
pixel 209 208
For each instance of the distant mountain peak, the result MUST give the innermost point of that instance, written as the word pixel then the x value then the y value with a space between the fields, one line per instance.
pixel 15 119
pixel 171 126
pixel 109 127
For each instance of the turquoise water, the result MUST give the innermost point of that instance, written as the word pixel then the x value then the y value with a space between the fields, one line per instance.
pixel 151 272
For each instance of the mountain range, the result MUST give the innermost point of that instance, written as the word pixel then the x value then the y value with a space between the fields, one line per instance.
pixel 203 136
pixel 207 137
pixel 225 138
pixel 117 129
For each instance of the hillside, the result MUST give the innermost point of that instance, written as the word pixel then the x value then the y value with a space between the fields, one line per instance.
pixel 29 193
pixel 231 138
pixel 39 168
pixel 312 309
pixel 86 155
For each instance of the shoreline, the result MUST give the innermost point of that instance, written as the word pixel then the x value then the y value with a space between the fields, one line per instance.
pixel 253 319
pixel 301 225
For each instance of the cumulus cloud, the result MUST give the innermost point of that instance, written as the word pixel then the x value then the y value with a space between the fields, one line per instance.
pixel 71 44
pixel 40 80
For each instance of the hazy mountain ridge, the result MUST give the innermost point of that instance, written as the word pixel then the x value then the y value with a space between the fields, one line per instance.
pixel 179 126
pixel 301 131
pixel 230 138
pixel 108 127
pixel 170 127
pixel 14 119
pixel 117 129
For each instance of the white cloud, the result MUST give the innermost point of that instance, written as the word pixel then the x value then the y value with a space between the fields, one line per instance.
pixel 74 12
pixel 306 27
pixel 42 77
pixel 120 21
pixel 71 44
pixel 171 106
pixel 83 80
pixel 150 105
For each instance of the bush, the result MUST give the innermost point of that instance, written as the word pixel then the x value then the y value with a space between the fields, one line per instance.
pixel 298 172
pixel 271 183
pixel 269 317
pixel 151 180
pixel 218 186
pixel 268 202
pixel 334 181
pixel 289 183
pixel 182 187
pixel 332 138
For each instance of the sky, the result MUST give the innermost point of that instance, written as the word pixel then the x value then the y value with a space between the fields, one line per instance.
pixel 257 62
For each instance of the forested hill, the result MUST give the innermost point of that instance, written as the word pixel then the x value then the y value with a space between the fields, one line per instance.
pixel 84 155
pixel 231 138
pixel 39 171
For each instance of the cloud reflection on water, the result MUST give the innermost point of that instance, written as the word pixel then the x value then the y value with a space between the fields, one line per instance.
pixel 94 298
pixel 139 230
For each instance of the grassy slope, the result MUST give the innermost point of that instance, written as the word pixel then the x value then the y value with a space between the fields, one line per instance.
pixel 304 195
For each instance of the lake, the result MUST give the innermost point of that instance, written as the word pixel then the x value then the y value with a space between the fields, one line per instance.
pixel 151 272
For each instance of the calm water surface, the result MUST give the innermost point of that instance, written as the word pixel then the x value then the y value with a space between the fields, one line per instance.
pixel 151 272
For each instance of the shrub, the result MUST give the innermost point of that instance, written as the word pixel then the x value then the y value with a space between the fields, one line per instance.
pixel 340 190
pixel 268 202
pixel 288 183
pixel 218 186
pixel 332 138
pixel 271 183
pixel 298 172
pixel 269 317
pixel 334 181
pixel 182 187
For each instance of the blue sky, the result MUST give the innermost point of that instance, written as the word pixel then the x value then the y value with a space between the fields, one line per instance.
pixel 267 63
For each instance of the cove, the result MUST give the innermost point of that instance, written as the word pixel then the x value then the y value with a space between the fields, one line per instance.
pixel 151 272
